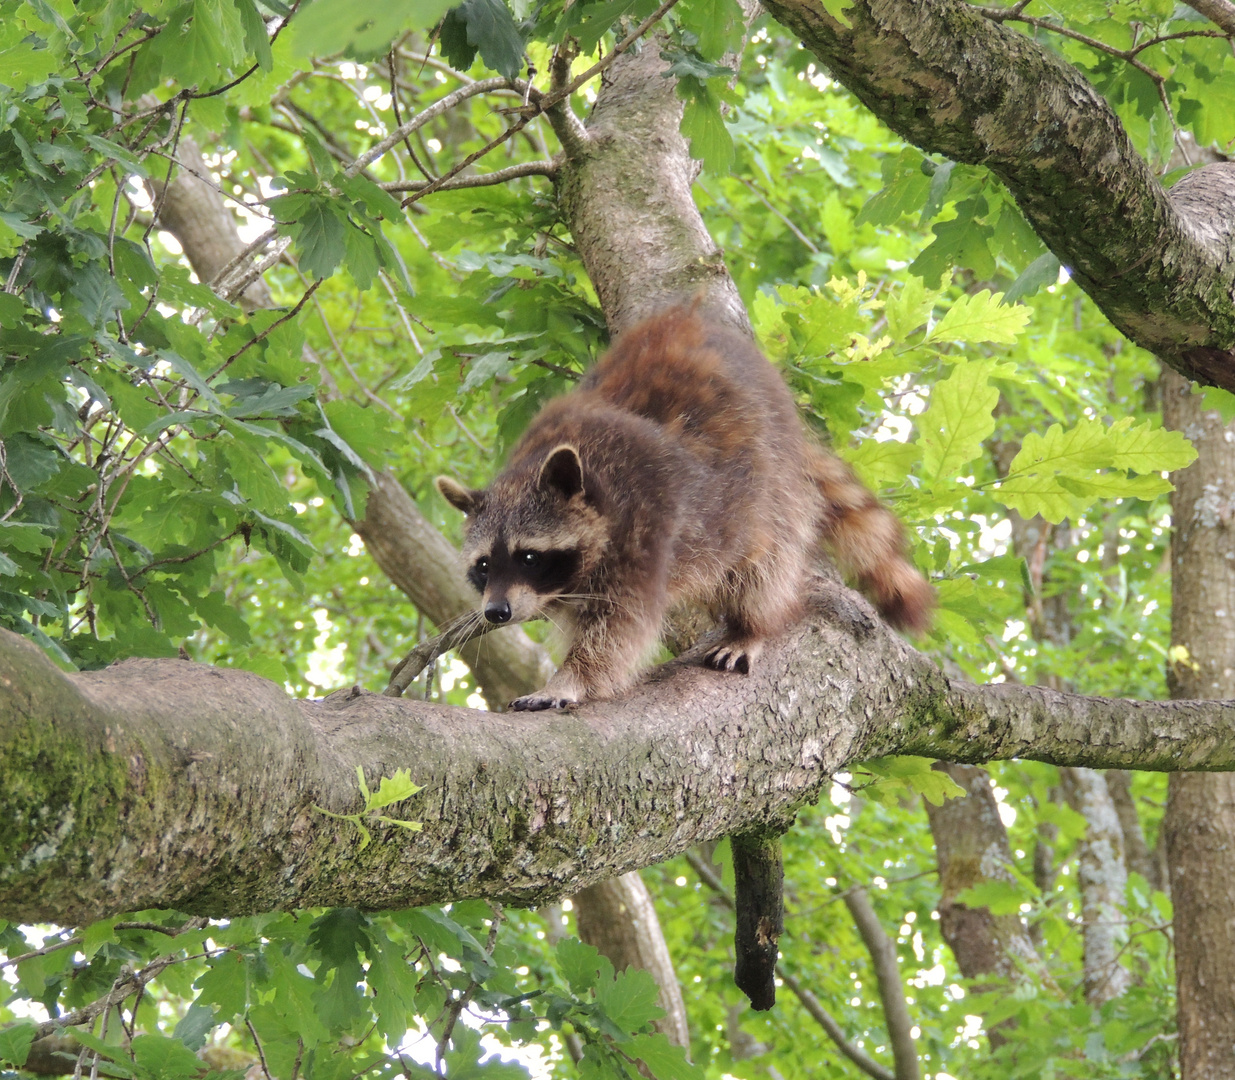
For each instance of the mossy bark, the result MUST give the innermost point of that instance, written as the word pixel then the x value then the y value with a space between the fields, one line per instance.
pixel 162 783
pixel 954 82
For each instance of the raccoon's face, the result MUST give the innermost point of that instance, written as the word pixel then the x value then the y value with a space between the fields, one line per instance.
pixel 531 539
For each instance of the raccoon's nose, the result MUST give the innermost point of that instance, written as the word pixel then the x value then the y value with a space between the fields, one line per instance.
pixel 498 612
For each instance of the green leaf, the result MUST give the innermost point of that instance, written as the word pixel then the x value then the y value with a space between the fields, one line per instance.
pixel 718 25
pixel 837 9
pixel 330 25
pixel 1044 270
pixel 1145 448
pixel 197 1022
pixel 15 1042
pixel 581 964
pixel 882 464
pixel 320 232
pixel 1001 897
pixel 492 31
pixel 710 141
pixel 629 1001
pixel 667 1062
pixel 981 317
pixel 99 295
pixel 960 417
pixel 393 789
pixel 909 307
pixel 167 1059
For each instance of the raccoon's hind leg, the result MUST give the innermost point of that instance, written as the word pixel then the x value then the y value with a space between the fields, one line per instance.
pixel 765 599
pixel 605 654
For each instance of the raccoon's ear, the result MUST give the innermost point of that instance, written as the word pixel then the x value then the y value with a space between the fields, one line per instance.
pixel 563 471
pixel 458 496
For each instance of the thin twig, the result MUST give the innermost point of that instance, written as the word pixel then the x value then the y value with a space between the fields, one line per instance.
pixel 498 176
pixel 120 990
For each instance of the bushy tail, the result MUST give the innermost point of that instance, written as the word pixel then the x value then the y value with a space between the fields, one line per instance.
pixel 868 542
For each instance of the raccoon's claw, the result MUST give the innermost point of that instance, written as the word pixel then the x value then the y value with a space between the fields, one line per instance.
pixel 537 702
pixel 733 656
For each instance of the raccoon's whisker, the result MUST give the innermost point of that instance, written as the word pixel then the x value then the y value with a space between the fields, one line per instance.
pixel 457 633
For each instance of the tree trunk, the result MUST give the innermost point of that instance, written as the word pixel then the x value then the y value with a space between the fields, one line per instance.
pixel 1103 878
pixel 971 846
pixel 1200 813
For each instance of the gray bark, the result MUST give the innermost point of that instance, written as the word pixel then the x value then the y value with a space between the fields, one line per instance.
pixel 1103 878
pixel 625 191
pixel 887 974
pixel 162 783
pixel 954 82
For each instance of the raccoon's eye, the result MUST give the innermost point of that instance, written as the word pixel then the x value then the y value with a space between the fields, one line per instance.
pixel 482 566
pixel 529 558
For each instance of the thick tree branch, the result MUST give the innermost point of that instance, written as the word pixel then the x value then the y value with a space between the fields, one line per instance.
pixel 626 193
pixel 161 783
pixel 953 82
pixel 1220 12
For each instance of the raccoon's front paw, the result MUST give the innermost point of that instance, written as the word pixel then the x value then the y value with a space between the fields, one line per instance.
pixel 737 656
pixel 542 700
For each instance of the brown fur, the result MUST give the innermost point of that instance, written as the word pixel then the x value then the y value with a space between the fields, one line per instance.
pixel 678 470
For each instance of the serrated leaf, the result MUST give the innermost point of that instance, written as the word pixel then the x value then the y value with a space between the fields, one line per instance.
pixel 330 25
pixel 981 317
pixel 99 295
pixel 581 964
pixel 197 1022
pixel 393 789
pixel 492 32
pixel 1036 493
pixel 666 1061
pixel 1145 448
pixel 629 1001
pixel 936 787
pixel 1044 270
pixel 959 418
pixel 882 464
pixel 710 141
pixel 1082 447
pixel 717 23
pixel 909 307
pixel 837 9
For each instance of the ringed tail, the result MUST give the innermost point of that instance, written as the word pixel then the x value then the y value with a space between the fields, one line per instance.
pixel 868 542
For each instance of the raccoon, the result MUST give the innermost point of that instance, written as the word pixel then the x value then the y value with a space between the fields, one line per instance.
pixel 677 470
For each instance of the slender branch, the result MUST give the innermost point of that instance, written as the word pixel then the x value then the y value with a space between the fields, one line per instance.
pixel 458 633
pixel 440 106
pixel 498 176
pixel 123 987
pixel 887 973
